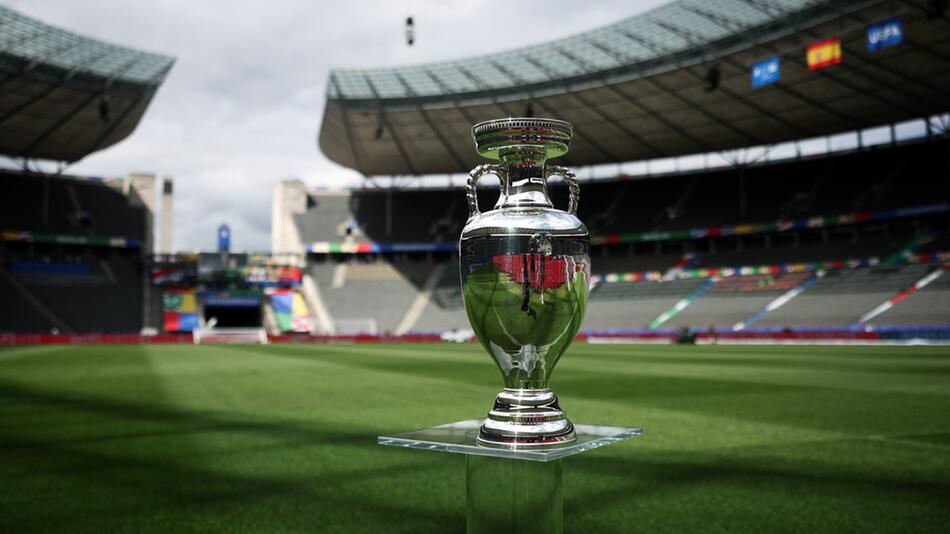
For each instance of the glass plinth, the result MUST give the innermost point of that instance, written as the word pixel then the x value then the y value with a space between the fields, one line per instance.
pixel 509 490
pixel 460 438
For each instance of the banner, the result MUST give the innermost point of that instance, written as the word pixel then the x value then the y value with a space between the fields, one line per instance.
pixel 765 72
pixel 885 34
pixel 186 273
pixel 283 310
pixel 823 53
pixel 180 311
pixel 290 311
pixel 941 257
pixel 94 241
pixel 776 226
pixel 639 237
pixel 300 315
pixel 226 300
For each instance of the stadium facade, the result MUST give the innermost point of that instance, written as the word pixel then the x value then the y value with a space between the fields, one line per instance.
pixel 849 243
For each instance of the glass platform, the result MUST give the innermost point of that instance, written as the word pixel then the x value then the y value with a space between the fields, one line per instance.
pixel 460 437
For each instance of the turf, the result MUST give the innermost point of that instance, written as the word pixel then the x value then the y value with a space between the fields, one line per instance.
pixel 283 438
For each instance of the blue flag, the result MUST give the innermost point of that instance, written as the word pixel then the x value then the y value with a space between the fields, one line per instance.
pixel 765 72
pixel 885 34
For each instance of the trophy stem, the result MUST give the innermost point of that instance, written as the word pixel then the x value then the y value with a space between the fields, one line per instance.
pixel 507 495
pixel 526 418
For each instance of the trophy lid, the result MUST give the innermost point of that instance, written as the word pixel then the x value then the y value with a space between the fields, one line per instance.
pixel 550 135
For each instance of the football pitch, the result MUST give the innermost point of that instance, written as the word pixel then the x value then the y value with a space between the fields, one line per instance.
pixel 283 438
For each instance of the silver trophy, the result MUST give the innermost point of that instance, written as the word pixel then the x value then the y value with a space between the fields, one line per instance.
pixel 525 269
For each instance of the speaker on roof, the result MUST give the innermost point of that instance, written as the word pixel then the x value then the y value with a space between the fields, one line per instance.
pixel 410 31
pixel 104 108
pixel 380 125
pixel 712 78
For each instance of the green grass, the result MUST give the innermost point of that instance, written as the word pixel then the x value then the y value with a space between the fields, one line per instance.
pixel 283 438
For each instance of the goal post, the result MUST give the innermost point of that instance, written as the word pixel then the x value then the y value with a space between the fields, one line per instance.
pixel 357 326
pixel 230 336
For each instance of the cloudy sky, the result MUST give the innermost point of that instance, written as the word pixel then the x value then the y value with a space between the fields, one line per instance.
pixel 241 108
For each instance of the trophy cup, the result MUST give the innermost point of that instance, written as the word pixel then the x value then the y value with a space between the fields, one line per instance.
pixel 525 269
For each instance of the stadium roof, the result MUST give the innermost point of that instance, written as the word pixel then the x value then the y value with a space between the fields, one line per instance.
pixel 63 96
pixel 637 89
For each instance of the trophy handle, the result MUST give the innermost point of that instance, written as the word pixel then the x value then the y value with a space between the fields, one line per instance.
pixel 571 179
pixel 478 172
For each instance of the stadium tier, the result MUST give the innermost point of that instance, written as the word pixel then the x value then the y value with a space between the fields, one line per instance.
pixel 101 295
pixel 843 297
pixel 71 206
pixel 71 255
pixel 879 183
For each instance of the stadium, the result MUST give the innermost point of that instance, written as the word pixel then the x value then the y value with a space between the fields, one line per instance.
pixel 767 188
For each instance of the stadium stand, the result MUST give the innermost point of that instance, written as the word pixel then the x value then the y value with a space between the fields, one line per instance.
pixel 100 292
pixel 326 217
pixel 72 206
pixel 875 178
pixel 840 297
pixel 930 305
pixel 20 311
pixel 625 305
pixel 429 216
pixel 731 300
pixel 811 252
pixel 445 310
pixel 859 181
pixel 364 294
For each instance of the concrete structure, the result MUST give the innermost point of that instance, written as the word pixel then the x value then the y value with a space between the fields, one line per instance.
pixel 290 198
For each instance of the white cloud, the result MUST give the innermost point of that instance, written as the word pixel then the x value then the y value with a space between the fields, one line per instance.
pixel 241 108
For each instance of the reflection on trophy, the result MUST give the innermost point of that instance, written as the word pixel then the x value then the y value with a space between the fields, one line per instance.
pixel 525 268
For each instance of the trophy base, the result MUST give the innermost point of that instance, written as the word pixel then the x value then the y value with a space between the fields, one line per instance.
pixel 526 419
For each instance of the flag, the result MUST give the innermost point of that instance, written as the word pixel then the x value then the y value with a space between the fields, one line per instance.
pixel 180 322
pixel 765 72
pixel 188 302
pixel 179 301
pixel 171 301
pixel 301 324
pixel 824 53
pixel 885 34
pixel 282 303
